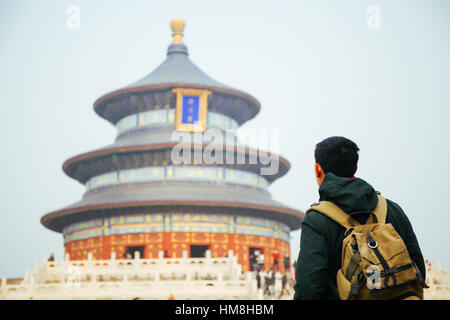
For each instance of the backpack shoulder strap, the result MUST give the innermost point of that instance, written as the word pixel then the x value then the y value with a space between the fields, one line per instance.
pixel 335 213
pixel 381 209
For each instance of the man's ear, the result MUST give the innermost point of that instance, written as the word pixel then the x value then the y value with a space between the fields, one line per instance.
pixel 318 170
pixel 320 175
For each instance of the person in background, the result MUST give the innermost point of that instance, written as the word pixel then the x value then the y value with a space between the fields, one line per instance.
pixel 287 264
pixel 267 284
pixel 283 285
pixel 258 279
pixel 52 257
pixel 294 266
pixel 275 256
pixel 272 280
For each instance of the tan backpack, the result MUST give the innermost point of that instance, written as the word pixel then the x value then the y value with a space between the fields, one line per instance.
pixel 375 261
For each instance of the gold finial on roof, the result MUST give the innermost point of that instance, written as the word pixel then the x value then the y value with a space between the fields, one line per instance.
pixel 177 25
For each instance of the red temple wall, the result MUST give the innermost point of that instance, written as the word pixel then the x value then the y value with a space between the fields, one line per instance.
pixel 176 242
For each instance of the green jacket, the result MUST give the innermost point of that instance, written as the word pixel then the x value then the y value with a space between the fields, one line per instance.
pixel 321 238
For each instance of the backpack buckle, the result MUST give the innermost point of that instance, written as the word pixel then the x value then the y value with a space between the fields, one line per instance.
pixel 372 244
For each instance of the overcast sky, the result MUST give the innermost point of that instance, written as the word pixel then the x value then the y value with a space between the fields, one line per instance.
pixel 315 66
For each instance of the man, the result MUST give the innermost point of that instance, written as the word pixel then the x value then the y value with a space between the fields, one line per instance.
pixel 283 285
pixel 275 256
pixel 272 280
pixel 267 282
pixel 321 238
pixel 287 264
pixel 258 279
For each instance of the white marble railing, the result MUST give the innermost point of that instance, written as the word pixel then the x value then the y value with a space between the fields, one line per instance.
pixel 184 278
pixel 438 280
pixel 437 292
pixel 203 289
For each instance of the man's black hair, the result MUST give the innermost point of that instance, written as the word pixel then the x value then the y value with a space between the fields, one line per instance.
pixel 338 155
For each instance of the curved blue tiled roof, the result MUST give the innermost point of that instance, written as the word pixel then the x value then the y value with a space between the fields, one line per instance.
pixel 176 69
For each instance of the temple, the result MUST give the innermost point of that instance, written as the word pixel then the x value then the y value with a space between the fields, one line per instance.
pixel 139 199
